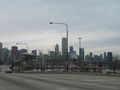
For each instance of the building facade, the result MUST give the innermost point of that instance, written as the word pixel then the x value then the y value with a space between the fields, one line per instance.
pixel 64 47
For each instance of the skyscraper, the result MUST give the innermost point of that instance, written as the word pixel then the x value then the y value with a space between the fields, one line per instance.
pixel 56 49
pixel 72 53
pixel 64 47
pixel 71 49
pixel 1 45
pixel 14 53
pixel 91 56
pixel 105 56
pixel 34 52
pixel 6 55
pixel 109 56
pixel 1 56
pixel 82 53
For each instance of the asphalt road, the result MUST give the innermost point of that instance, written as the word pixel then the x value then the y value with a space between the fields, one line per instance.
pixel 57 82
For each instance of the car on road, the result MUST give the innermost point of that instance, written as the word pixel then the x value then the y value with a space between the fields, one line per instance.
pixel 9 71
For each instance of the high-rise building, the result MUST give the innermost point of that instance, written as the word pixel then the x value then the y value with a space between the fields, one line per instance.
pixel 6 56
pixel 34 52
pixel 105 56
pixel 1 45
pixel 82 53
pixel 87 58
pixel 14 53
pixel 57 50
pixel 52 53
pixel 101 58
pixel 109 57
pixel 91 56
pixel 1 56
pixel 71 49
pixel 72 53
pixel 64 47
pixel 96 58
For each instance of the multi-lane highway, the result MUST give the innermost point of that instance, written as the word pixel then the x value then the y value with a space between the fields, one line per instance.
pixel 57 82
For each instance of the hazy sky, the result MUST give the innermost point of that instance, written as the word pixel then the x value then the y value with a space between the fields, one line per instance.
pixel 96 21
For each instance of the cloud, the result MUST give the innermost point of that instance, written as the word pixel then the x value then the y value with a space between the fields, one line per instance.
pixel 97 21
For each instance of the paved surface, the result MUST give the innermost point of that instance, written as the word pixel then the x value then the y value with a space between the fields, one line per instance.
pixel 57 82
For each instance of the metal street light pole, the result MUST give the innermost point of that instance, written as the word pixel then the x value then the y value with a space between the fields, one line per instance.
pixel 24 44
pixel 79 45
pixel 66 36
pixel 79 50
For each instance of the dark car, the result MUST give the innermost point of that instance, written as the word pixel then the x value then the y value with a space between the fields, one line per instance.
pixel 9 71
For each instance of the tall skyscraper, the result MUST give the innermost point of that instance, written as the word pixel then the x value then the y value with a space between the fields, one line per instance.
pixel 6 55
pixel 91 56
pixel 105 55
pixel 64 47
pixel 82 53
pixel 109 57
pixel 57 50
pixel 1 56
pixel 1 45
pixel 71 49
pixel 14 53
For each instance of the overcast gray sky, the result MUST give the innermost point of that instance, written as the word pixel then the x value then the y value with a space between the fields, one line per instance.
pixel 96 21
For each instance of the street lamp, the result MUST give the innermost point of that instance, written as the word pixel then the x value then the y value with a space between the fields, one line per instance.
pixel 61 24
pixel 24 44
pixel 79 49
pixel 79 43
pixel 66 34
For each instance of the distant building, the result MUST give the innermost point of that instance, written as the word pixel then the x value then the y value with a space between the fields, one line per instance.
pixel 52 53
pixel 82 53
pixel 64 47
pixel 87 58
pixel 91 57
pixel 71 49
pixel 1 45
pixel 22 51
pixel 57 52
pixel 105 56
pixel 34 52
pixel 1 53
pixel 96 59
pixel 72 53
pixel 28 58
pixel 101 58
pixel 109 56
pixel 14 53
pixel 1 56
pixel 6 56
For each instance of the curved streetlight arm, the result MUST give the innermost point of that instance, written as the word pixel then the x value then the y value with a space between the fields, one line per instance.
pixel 62 24
pixel 59 23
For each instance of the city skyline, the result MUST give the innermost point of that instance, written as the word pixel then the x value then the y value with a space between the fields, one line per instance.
pixel 59 44
pixel 97 22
